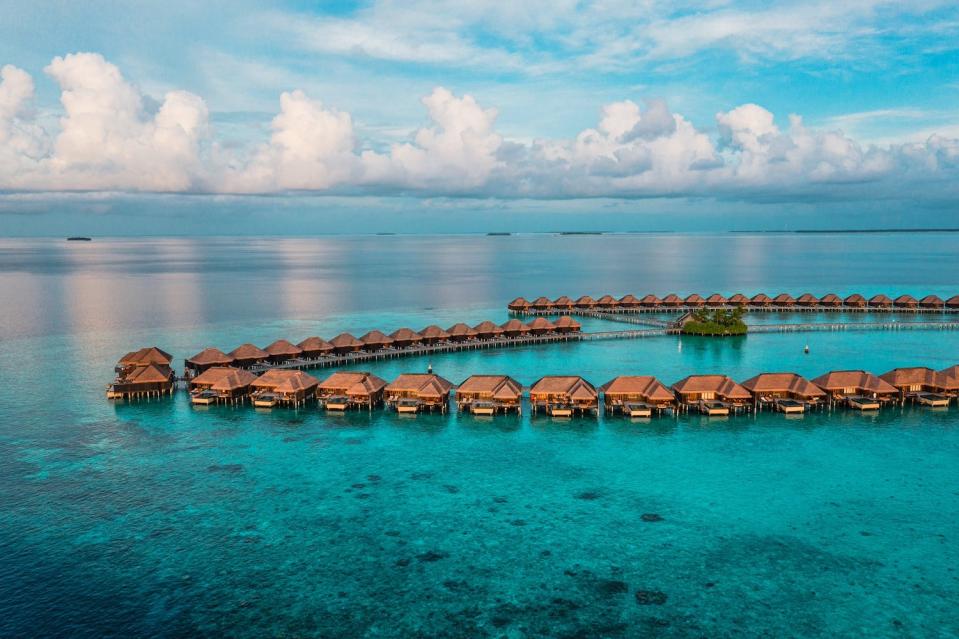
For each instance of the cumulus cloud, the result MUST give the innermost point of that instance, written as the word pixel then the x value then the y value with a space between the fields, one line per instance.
pixel 113 137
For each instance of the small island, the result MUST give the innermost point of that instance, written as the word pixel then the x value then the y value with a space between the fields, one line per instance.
pixel 714 323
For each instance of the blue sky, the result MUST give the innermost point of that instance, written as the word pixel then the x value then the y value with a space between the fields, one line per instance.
pixel 656 105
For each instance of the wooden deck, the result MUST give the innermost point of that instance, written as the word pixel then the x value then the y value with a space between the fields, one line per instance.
pixel 620 310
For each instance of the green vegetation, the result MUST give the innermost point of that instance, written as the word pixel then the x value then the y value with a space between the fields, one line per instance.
pixel 718 322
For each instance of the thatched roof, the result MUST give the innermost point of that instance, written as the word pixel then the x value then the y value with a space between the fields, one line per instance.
pixel 563 301
pixel 952 372
pixel 854 300
pixel 248 352
pixel 434 332
pixel 782 383
pixel 423 384
pixel 760 298
pixel 953 302
pixel 695 300
pixel 567 322
pixel 716 300
pixel 880 300
pixel 808 299
pixel 645 385
pixel 224 378
pixel 899 377
pixel 541 324
pixel 148 374
pixel 144 356
pixel 376 338
pixel 860 380
pixel 541 302
pixel 629 300
pixel 931 301
pixel 210 357
pixel 650 300
pixel 487 328
pixel 518 303
pixel 830 299
pixel 283 348
pixel 315 345
pixel 345 340
pixel 606 300
pixel 406 335
pixel 906 300
pixel 738 298
pixel 673 300
pixel 515 326
pixel 285 381
pixel 585 300
pixel 353 383
pixel 501 387
pixel 571 385
pixel 461 330
pixel 784 298
pixel 719 384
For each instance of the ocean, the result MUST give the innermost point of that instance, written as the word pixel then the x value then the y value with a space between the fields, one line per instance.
pixel 155 518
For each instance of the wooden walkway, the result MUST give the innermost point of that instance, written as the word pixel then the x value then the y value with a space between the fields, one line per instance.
pixel 618 310
pixel 854 326
pixel 614 316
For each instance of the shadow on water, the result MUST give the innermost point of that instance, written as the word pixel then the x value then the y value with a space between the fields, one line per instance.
pixel 490 424
pixel 641 426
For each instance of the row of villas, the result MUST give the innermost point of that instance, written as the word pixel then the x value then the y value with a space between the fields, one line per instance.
pixel 314 349
pixel 558 395
pixel 808 301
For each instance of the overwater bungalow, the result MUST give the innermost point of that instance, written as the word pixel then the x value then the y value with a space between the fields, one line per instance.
pixel 278 386
pixel 951 372
pixel 695 300
pixel 247 355
pixel 807 300
pixel 650 301
pixel 923 385
pixel 855 301
pixel 716 300
pixel 566 324
pixel 906 302
pixel 585 302
pixel 830 300
pixel 784 300
pixel 350 389
pixel 563 303
pixel 711 394
pixel 738 300
pixel 283 351
pixel 376 341
pixel 932 302
pixel 489 394
pixel 205 359
pixel 433 334
pixel 629 301
pixel 520 304
pixel 953 302
pixel 541 326
pixel 221 384
pixel 414 392
pixel 673 301
pixel 314 348
pixel 785 392
pixel 636 396
pixel 462 332
pixel 405 337
pixel 563 396
pixel 760 300
pixel 515 328
pixel 880 301
pixel 149 380
pixel 144 357
pixel 487 330
pixel 541 304
pixel 857 389
pixel 345 343
pixel 607 301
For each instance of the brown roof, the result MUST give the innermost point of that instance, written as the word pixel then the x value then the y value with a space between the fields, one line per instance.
pixel 519 302
pixel 376 338
pixel 542 301
pixel 880 300
pixel 931 300
pixel 353 383
pixel 406 335
pixel 906 299
pixel 541 323
pixel 629 300
pixel 585 300
pixel 782 383
pixel 866 382
pixel 345 340
pixel 434 332
pixel 500 386
pixel 672 298
pixel 607 300
pixel 515 325
pixel 487 327
pixel 248 351
pixel 224 378
pixel 563 300
pixel 283 348
pixel 645 385
pixel 427 384
pixel 461 330
pixel 855 298
pixel 695 298
pixel 572 385
pixel 719 384
pixel 952 371
pixel 716 298
pixel 808 298
pixel 953 301
pixel 738 298
pixel 761 298
pixel 144 356
pixel 315 344
pixel 784 298
pixel 567 322
pixel 920 375
pixel 830 298
pixel 210 357
pixel 148 374
pixel 285 381
pixel 651 299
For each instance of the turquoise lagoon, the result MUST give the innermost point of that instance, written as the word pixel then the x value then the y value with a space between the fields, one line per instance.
pixel 159 519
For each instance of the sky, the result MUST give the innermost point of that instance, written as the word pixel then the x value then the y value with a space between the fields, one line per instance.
pixel 138 117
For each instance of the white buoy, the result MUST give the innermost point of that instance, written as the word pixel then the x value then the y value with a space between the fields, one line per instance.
pixel 806 349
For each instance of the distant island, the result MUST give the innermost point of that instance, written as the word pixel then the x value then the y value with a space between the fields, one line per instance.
pixel 79 238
